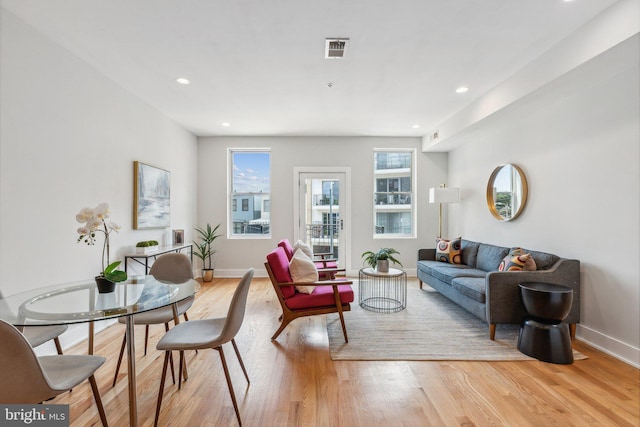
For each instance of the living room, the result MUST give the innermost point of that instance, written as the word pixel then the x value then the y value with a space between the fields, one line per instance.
pixel 69 135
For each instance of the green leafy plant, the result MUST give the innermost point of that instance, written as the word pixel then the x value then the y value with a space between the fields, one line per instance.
pixel 147 243
pixel 94 221
pixel 371 258
pixel 204 247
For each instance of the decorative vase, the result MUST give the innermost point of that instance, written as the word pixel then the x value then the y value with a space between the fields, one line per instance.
pixel 382 266
pixel 207 274
pixel 105 286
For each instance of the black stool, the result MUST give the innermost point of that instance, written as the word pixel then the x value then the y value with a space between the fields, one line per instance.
pixel 543 333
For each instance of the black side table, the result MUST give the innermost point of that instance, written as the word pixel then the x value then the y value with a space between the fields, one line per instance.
pixel 543 333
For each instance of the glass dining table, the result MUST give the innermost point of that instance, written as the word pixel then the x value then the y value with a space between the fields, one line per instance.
pixel 80 302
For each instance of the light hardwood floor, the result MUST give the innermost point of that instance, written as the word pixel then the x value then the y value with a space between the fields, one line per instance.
pixel 294 382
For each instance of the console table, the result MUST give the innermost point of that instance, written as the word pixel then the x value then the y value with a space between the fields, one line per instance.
pixel 143 259
pixel 382 292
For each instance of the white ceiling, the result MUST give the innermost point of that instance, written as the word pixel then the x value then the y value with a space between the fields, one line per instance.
pixel 259 64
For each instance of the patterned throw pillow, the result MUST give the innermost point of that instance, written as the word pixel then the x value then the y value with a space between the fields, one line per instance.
pixel 449 250
pixel 302 269
pixel 517 260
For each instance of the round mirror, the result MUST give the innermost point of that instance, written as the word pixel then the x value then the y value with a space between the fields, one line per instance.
pixel 507 192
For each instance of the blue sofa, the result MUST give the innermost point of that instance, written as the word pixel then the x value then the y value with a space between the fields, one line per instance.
pixel 493 295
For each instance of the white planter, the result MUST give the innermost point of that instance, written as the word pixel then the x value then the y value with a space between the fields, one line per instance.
pixel 146 249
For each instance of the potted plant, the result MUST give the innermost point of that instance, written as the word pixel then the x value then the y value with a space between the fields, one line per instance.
pixel 94 221
pixel 204 249
pixel 379 260
pixel 146 246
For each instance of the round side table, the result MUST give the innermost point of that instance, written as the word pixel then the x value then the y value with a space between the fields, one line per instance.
pixel 543 333
pixel 382 292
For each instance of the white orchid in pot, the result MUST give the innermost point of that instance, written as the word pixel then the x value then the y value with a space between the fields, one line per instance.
pixel 95 221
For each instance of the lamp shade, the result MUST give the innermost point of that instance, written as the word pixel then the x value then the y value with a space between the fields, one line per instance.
pixel 444 195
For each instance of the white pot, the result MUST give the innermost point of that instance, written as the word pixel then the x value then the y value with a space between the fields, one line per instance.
pixel 146 249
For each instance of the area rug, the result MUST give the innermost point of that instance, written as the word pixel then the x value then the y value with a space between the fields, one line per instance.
pixel 431 328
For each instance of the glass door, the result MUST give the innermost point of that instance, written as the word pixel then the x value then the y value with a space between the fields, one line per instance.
pixel 322 213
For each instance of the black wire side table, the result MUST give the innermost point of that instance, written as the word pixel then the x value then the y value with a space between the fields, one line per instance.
pixel 382 292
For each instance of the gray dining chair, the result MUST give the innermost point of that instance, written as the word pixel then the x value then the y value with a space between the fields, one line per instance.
pixel 208 333
pixel 172 268
pixel 38 335
pixel 27 378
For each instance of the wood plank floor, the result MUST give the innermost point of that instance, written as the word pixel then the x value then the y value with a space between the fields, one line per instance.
pixel 294 382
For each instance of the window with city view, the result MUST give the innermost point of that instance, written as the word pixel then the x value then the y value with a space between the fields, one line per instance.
pixel 393 193
pixel 250 196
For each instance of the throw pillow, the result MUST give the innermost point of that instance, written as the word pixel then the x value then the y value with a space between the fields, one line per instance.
pixel 517 260
pixel 302 269
pixel 304 248
pixel 449 250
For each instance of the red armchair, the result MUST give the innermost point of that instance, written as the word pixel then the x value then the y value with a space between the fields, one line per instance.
pixel 329 296
pixel 327 267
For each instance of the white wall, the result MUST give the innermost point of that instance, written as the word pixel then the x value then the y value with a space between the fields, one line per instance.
pixel 68 139
pixel 577 140
pixel 288 152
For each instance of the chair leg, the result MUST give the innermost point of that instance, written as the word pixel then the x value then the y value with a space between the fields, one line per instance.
pixel 173 373
pixel 115 377
pixel 161 391
pixel 146 338
pixel 226 374
pixel 180 364
pixel 96 396
pixel 338 301
pixel 284 322
pixel 235 347
pixel 56 341
pixel 492 331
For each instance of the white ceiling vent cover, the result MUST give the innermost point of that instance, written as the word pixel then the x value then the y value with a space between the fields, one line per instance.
pixel 335 48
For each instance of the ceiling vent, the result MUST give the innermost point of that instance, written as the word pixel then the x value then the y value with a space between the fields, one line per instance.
pixel 335 48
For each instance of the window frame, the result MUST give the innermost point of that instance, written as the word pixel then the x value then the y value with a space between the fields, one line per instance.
pixel 412 194
pixel 231 232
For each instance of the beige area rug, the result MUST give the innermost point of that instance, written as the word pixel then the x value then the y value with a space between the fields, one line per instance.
pixel 430 328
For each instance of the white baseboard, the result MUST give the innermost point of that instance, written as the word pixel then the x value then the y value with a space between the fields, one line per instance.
pixel 612 346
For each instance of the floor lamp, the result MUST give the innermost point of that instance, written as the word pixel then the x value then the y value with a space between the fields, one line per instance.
pixel 440 195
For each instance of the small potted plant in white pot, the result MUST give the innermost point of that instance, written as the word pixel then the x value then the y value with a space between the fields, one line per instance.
pixel 379 260
pixel 146 246
pixel 204 249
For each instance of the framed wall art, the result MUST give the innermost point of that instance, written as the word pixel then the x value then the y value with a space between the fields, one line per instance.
pixel 151 197
pixel 178 237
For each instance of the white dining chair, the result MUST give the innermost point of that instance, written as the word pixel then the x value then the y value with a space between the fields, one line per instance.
pixel 27 378
pixel 208 333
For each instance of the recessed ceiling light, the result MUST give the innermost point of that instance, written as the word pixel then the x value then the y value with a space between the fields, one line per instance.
pixel 183 81
pixel 462 89
pixel 226 124
pixel 416 126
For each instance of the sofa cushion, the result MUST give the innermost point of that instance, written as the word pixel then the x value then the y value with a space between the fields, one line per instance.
pixel 320 297
pixel 544 261
pixel 448 272
pixel 448 250
pixel 473 287
pixel 517 260
pixel 490 256
pixel 300 245
pixel 288 249
pixel 469 252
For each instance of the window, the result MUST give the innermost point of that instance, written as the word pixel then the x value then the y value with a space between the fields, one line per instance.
pixel 250 177
pixel 393 185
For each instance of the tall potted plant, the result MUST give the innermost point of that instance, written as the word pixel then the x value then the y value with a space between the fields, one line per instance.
pixel 204 249
pixel 380 260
